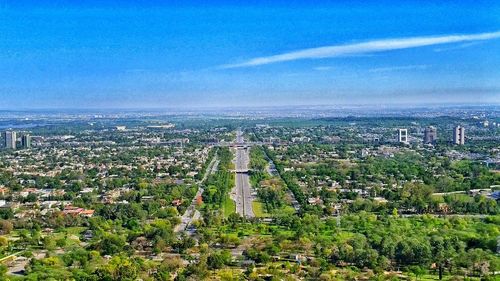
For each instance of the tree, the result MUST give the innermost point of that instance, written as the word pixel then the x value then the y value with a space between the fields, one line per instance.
pixel 6 226
pixel 3 271
pixel 6 213
pixel 185 242
pixel 395 213
pixel 4 242
pixel 110 244
pixel 119 268
pixel 168 266
pixel 417 271
pixel 49 243
pixel 218 259
pixel 233 219
pixel 61 242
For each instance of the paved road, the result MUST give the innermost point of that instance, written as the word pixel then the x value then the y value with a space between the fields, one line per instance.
pixel 243 196
pixel 242 192
pixel 239 136
pixel 18 265
pixel 190 215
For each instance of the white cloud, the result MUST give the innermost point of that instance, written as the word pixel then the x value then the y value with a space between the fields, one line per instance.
pixel 457 47
pixel 323 68
pixel 365 47
pixel 398 68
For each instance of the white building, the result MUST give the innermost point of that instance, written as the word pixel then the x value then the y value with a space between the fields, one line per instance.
pixel 403 135
pixel 10 139
pixel 459 135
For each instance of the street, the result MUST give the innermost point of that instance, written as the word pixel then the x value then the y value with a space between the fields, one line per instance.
pixel 242 192
pixel 190 214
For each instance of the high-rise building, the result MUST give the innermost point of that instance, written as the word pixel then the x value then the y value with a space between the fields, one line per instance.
pixel 10 139
pixel 459 135
pixel 26 141
pixel 430 135
pixel 403 135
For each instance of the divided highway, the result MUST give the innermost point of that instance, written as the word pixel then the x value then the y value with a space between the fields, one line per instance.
pixel 242 192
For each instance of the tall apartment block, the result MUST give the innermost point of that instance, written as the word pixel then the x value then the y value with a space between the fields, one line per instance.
pixel 26 141
pixel 430 135
pixel 10 139
pixel 459 135
pixel 403 135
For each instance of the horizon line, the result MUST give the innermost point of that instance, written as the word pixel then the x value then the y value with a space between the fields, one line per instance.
pixel 179 108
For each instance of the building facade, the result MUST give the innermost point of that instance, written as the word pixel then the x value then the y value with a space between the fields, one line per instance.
pixel 26 141
pixel 459 135
pixel 403 135
pixel 10 139
pixel 430 135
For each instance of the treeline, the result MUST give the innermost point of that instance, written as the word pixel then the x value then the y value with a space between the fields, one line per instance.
pixel 270 190
pixel 206 164
pixel 288 179
pixel 442 174
pixel 427 244
pixel 109 255
pixel 220 183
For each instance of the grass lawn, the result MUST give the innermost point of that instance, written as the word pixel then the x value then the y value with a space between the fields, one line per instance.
pixel 258 209
pixel 69 231
pixel 463 197
pixel 458 196
pixel 75 230
pixel 70 234
pixel 229 207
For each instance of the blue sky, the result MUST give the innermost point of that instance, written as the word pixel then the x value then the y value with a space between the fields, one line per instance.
pixel 146 54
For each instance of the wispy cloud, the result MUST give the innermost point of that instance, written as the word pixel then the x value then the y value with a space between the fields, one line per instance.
pixel 399 68
pixel 457 47
pixel 323 68
pixel 365 48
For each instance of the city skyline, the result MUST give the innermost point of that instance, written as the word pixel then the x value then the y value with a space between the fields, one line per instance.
pixel 128 54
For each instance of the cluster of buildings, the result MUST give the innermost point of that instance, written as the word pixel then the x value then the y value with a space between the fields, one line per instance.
pixel 430 135
pixel 10 140
pixel 39 178
pixel 46 201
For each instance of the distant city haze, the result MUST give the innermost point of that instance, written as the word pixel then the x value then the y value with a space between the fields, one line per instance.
pixel 185 54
